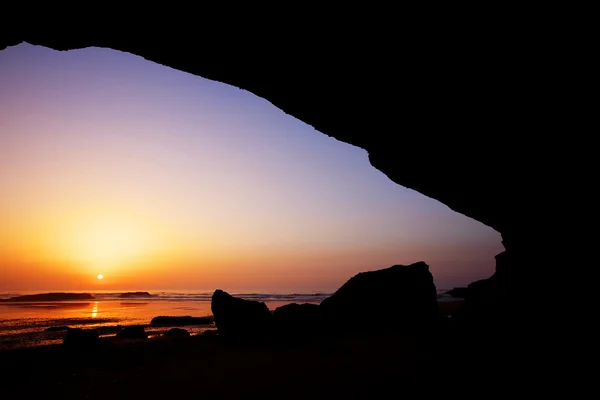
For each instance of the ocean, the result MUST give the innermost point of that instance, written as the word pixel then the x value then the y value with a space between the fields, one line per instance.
pixel 24 324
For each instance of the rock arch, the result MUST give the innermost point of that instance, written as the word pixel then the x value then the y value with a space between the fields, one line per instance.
pixel 455 108
pixel 450 114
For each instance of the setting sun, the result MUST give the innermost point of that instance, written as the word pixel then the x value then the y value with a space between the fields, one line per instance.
pixel 100 276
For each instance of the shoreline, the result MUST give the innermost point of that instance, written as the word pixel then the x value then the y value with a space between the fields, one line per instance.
pixel 39 336
pixel 349 365
pixel 207 366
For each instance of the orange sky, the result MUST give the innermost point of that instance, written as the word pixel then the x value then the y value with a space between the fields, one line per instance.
pixel 113 165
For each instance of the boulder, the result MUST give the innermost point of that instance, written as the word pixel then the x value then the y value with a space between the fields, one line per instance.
pixel 80 338
pixel 239 318
pixel 133 332
pixel 56 328
pixel 296 320
pixel 499 303
pixel 458 292
pixel 176 332
pixel 180 321
pixel 135 295
pixel 401 298
pixel 108 330
pixel 49 297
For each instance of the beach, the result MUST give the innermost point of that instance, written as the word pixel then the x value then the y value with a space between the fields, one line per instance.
pixel 353 366
pixel 204 367
pixel 24 324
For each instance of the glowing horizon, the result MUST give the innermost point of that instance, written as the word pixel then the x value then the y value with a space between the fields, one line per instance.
pixel 115 166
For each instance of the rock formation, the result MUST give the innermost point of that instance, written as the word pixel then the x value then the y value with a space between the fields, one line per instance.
pixel 176 333
pixel 239 318
pixel 400 298
pixel 133 332
pixel 135 295
pixel 452 99
pixel 50 297
pixel 78 339
pixel 180 321
pixel 297 321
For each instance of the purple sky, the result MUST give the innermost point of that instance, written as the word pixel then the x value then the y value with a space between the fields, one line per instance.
pixel 220 178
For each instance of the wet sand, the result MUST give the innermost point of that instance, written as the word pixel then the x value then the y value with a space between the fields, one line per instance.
pixel 206 367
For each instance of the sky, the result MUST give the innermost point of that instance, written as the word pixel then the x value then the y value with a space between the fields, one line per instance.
pixel 161 180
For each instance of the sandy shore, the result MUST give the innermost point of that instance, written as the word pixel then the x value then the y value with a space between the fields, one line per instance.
pixel 207 367
pixel 352 367
pixel 204 367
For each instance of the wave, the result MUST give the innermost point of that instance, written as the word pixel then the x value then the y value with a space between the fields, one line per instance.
pixel 206 296
pixel 203 297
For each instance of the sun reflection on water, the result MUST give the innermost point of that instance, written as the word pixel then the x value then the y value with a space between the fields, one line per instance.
pixel 95 310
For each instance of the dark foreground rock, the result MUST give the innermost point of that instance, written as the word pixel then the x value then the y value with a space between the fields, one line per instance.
pixel 180 321
pixel 501 302
pixel 458 292
pixel 135 295
pixel 239 318
pixel 400 298
pixel 205 367
pixel 297 320
pixel 108 330
pixel 133 332
pixel 50 297
pixel 176 332
pixel 56 328
pixel 80 338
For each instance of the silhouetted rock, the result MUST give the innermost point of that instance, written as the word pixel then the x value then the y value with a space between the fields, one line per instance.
pixel 133 332
pixel 80 338
pixel 136 295
pixel 107 330
pixel 400 298
pixel 56 328
pixel 235 317
pixel 296 320
pixel 501 318
pixel 210 332
pixel 176 332
pixel 491 303
pixel 50 297
pixel 180 321
pixel 458 292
